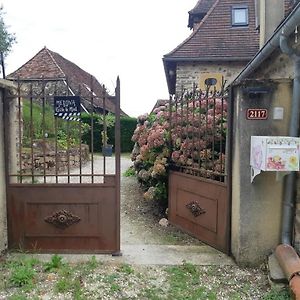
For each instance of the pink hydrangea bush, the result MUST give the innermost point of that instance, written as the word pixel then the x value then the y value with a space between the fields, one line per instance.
pixel 190 135
pixel 198 135
pixel 151 153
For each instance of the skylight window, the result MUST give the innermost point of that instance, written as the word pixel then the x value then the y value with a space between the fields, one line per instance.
pixel 240 16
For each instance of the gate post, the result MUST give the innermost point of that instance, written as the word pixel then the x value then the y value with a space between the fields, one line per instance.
pixel 4 85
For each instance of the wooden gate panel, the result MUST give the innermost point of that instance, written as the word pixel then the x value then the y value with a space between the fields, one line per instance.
pixel 42 218
pixel 199 206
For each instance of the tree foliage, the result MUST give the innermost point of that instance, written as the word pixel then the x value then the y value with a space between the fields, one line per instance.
pixel 7 39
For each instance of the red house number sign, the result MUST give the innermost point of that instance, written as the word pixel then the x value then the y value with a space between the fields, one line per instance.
pixel 257 114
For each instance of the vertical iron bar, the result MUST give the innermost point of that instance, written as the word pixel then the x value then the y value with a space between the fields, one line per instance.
pixel 104 143
pixel 68 136
pixel 213 133
pixel 92 130
pixel 80 139
pixel 187 125
pixel 193 124
pixel 56 144
pixel 181 126
pixel 206 132
pixel 199 129
pixel 170 128
pixel 43 129
pixel 118 160
pixel 31 134
pixel 176 118
pixel 221 140
pixel 20 131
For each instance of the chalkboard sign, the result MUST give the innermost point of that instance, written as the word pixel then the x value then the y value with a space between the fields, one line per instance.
pixel 67 107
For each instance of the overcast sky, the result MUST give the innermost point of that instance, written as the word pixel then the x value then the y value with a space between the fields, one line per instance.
pixel 105 38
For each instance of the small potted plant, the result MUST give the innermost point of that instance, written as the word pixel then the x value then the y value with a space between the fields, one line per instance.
pixel 106 148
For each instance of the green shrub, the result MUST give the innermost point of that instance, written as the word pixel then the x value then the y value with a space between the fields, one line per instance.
pixel 127 126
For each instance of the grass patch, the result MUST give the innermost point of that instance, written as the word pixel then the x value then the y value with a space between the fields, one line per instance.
pixel 22 272
pixel 125 268
pixel 54 264
pixel 28 278
pixel 184 283
pixel 111 278
pixel 277 294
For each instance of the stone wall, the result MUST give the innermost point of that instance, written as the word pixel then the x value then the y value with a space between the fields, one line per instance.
pixel 3 225
pixel 188 73
pixel 277 66
pixel 48 160
pixel 4 85
pixel 256 206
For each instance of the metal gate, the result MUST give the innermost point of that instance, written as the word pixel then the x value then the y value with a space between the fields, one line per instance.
pixel 198 180
pixel 63 193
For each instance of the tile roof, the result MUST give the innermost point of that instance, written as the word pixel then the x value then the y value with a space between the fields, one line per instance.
pixel 216 39
pixel 202 6
pixel 199 11
pixel 47 64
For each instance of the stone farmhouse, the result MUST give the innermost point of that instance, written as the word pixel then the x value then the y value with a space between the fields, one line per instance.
pixel 52 67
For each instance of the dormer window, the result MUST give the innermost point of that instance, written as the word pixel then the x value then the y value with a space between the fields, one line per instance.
pixel 240 16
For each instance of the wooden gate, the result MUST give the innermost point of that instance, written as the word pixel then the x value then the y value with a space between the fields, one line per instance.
pixel 198 183
pixel 63 194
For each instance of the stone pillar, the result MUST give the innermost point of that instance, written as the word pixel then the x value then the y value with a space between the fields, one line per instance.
pixel 257 206
pixel 3 217
pixel 14 126
pixel 4 84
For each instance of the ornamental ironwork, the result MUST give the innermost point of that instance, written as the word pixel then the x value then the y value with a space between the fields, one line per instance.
pixel 62 219
pixel 195 208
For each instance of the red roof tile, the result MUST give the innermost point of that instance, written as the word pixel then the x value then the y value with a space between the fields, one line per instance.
pixel 216 39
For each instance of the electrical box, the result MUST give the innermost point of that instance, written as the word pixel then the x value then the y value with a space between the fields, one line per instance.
pixel 274 153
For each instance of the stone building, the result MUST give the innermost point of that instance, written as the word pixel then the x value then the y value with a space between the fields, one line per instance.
pixel 57 71
pixel 223 40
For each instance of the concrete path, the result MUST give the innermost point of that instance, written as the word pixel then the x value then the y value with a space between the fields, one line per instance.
pixel 154 255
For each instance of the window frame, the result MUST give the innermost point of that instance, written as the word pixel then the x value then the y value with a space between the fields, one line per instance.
pixel 233 10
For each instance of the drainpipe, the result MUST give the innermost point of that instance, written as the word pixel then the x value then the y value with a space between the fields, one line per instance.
pixel 287 257
pixel 290 184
